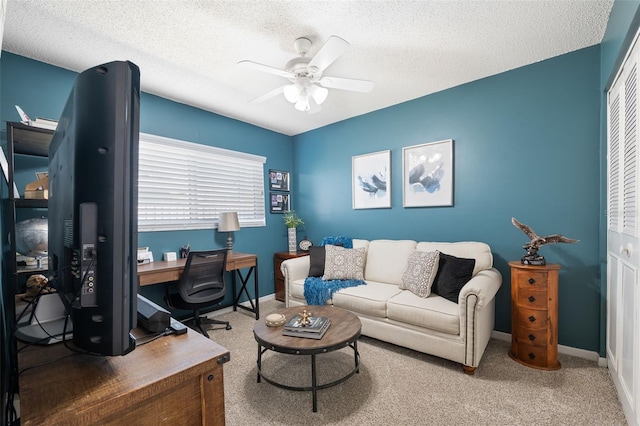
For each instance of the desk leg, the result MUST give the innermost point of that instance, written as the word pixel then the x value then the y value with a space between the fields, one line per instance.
pixel 255 307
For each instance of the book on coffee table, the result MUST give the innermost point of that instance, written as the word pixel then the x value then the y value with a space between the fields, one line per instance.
pixel 304 331
pixel 314 324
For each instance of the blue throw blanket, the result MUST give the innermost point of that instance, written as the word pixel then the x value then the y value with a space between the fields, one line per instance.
pixel 346 242
pixel 317 291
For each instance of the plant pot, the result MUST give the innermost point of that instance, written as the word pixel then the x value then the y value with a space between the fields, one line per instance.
pixel 292 240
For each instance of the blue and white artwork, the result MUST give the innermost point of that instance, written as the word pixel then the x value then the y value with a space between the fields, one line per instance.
pixel 372 180
pixel 428 174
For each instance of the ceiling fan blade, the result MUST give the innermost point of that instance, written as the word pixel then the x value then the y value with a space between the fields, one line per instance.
pixel 364 86
pixel 273 93
pixel 332 49
pixel 266 68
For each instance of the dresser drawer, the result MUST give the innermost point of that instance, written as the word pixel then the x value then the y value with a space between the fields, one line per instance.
pixel 531 336
pixel 532 318
pixel 533 299
pixel 532 280
pixel 532 355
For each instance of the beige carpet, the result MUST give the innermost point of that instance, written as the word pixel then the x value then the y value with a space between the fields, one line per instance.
pixel 398 386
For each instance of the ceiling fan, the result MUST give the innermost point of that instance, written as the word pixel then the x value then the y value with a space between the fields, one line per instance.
pixel 309 88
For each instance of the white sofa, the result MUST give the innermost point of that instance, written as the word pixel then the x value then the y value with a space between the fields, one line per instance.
pixel 434 325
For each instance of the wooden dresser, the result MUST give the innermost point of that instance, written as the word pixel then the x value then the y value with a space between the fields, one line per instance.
pixel 278 278
pixel 174 380
pixel 534 315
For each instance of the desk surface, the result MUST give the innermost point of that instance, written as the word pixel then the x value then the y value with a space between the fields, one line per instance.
pixel 176 377
pixel 171 270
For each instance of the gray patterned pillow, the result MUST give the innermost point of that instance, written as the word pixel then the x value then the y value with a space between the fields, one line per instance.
pixel 343 264
pixel 420 273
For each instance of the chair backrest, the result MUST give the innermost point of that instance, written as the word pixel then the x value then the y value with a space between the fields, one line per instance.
pixel 203 276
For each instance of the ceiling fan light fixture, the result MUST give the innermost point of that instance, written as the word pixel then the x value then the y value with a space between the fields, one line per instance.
pixel 292 92
pixel 303 101
pixel 318 93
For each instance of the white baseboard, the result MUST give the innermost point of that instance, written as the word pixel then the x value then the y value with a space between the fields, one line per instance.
pixel 567 350
pixel 247 304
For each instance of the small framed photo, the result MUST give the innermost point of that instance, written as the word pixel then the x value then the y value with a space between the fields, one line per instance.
pixel 279 203
pixel 427 174
pixel 371 180
pixel 279 180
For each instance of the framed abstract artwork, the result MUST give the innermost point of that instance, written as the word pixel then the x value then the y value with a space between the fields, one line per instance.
pixel 371 180
pixel 427 174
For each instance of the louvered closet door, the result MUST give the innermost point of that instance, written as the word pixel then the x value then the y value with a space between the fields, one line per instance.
pixel 623 247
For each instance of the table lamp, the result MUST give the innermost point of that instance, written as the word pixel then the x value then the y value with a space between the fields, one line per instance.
pixel 228 222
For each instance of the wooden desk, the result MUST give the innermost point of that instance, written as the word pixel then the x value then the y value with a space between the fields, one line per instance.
pixel 173 380
pixel 167 271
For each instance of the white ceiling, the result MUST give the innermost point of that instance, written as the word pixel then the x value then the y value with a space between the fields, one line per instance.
pixel 188 51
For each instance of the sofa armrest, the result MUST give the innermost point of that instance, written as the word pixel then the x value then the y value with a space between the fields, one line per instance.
pixel 484 285
pixel 294 269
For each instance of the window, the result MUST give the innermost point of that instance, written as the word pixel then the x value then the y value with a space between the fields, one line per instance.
pixel 184 185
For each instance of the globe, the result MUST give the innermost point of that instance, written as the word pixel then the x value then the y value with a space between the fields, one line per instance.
pixel 32 237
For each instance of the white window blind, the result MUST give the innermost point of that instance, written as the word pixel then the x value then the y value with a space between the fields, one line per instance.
pixel 184 185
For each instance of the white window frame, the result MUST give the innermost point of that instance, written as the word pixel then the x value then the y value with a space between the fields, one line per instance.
pixel 185 185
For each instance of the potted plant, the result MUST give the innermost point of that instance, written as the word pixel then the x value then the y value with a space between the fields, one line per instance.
pixel 292 221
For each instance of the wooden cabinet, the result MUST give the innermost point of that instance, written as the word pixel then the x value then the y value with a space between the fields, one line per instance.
pixel 278 278
pixel 534 315
pixel 173 380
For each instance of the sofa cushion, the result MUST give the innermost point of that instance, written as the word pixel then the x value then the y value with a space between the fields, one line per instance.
pixel 481 252
pixel 343 264
pixel 422 268
pixel 387 260
pixel 453 274
pixel 370 299
pixel 433 312
pixel 316 261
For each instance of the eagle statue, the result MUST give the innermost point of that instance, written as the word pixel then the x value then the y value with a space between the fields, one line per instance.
pixel 532 257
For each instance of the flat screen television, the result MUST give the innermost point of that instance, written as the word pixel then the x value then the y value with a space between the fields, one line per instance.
pixel 92 208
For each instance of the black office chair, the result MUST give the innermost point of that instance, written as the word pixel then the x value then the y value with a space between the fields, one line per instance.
pixel 201 285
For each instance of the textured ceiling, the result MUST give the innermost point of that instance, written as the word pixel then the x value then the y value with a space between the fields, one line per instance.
pixel 188 51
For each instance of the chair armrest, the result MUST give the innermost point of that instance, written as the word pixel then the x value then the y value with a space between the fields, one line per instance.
pixel 296 268
pixel 292 270
pixel 484 285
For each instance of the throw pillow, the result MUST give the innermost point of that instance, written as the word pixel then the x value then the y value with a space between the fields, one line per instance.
pixel 316 260
pixel 421 271
pixel 453 274
pixel 343 264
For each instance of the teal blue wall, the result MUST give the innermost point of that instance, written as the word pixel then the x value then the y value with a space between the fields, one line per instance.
pixel 42 90
pixel 526 145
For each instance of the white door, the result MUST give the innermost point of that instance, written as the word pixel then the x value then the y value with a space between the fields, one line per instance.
pixel 623 244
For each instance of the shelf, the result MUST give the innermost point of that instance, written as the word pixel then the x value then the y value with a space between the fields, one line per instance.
pixel 31 140
pixel 31 203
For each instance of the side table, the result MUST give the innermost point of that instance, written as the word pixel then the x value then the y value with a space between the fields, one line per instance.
pixel 278 278
pixel 534 315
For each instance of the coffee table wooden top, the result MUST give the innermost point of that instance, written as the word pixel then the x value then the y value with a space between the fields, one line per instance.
pixel 345 329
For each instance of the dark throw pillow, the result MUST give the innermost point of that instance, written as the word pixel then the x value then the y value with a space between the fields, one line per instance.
pixel 316 258
pixel 453 274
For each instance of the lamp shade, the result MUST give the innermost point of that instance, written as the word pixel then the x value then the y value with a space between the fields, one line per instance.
pixel 228 222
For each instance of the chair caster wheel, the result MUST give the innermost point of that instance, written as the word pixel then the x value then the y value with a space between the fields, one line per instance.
pixel 228 327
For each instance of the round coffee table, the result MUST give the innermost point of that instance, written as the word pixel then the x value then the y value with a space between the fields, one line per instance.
pixel 344 331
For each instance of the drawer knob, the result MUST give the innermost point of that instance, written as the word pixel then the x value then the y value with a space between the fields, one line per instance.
pixel 532 337
pixel 532 318
pixel 532 281
pixel 532 355
pixel 532 299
